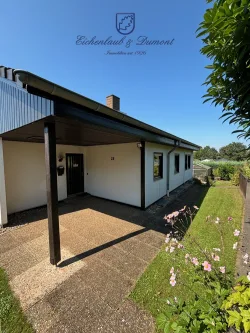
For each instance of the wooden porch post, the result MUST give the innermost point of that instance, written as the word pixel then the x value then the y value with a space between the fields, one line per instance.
pixel 143 203
pixel 52 197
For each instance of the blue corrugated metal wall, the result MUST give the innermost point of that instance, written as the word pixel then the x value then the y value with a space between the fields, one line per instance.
pixel 19 108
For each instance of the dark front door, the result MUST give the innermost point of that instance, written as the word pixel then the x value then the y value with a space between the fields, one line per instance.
pixel 75 180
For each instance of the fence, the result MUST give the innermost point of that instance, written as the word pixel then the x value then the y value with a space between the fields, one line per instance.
pixel 244 185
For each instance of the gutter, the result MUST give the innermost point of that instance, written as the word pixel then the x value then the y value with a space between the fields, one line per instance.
pixel 176 144
pixel 53 89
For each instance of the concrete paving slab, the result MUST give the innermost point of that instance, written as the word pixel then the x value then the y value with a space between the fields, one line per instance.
pixel 8 242
pixel 39 280
pixel 27 233
pixel 111 285
pixel 42 316
pixel 127 264
pixel 17 261
pixel 139 249
pixel 131 319
pixel 79 307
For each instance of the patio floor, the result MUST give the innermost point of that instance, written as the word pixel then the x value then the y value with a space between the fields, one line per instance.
pixel 106 246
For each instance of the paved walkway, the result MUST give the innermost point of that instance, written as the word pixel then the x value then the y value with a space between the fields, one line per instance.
pixel 105 248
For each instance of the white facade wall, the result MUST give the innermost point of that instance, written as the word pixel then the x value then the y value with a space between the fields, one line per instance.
pixel 156 189
pixel 117 179
pixel 25 175
pixel 3 208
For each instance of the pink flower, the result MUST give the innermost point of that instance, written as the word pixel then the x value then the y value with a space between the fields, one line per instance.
pixel 195 261
pixel 223 269
pixel 172 280
pixel 216 258
pixel 182 210
pixel 248 276
pixel 186 256
pixel 167 240
pixel 171 249
pixel 207 266
pixel 236 232
pixel 172 270
pixel 229 218
pixel 180 246
pixel 175 214
pixel 217 220
pixel 195 207
pixel 235 246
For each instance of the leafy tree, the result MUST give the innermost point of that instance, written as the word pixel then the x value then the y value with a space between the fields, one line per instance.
pixel 226 34
pixel 206 153
pixel 235 151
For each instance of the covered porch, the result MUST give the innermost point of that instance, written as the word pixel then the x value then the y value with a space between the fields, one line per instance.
pixel 105 247
pixel 73 150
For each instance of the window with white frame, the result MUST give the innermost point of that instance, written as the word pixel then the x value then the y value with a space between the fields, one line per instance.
pixel 176 163
pixel 158 166
pixel 187 162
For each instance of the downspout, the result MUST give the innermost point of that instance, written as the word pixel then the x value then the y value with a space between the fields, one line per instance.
pixel 176 144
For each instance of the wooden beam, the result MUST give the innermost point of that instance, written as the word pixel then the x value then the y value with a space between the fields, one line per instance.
pixel 143 180
pixel 52 196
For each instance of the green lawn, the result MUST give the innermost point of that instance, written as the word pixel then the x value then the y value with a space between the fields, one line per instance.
pixel 223 183
pixel 12 319
pixel 153 287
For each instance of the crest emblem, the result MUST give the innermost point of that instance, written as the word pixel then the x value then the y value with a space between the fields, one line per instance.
pixel 125 23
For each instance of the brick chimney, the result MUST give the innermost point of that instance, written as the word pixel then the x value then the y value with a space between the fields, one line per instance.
pixel 113 102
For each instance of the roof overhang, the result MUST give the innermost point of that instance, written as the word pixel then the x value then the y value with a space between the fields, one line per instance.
pixel 80 105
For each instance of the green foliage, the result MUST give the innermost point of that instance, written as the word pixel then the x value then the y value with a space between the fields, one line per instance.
pixel 206 153
pixel 216 164
pixel 225 32
pixel 246 170
pixel 199 316
pixel 237 306
pixel 225 171
pixel 216 172
pixel 235 178
pixel 235 151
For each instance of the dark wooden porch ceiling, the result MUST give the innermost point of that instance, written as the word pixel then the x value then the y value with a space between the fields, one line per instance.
pixel 70 132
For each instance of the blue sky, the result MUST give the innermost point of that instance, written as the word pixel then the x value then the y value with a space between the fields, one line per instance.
pixel 163 88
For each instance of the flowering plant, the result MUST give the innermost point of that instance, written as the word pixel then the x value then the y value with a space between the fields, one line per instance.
pixel 212 281
pixel 237 305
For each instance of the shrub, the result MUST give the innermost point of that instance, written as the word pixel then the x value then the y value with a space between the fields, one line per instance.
pixel 235 178
pixel 216 172
pixel 225 171
pixel 216 164
pixel 237 305
pixel 246 170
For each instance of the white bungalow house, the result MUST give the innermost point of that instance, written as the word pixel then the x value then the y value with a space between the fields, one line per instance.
pixel 55 143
